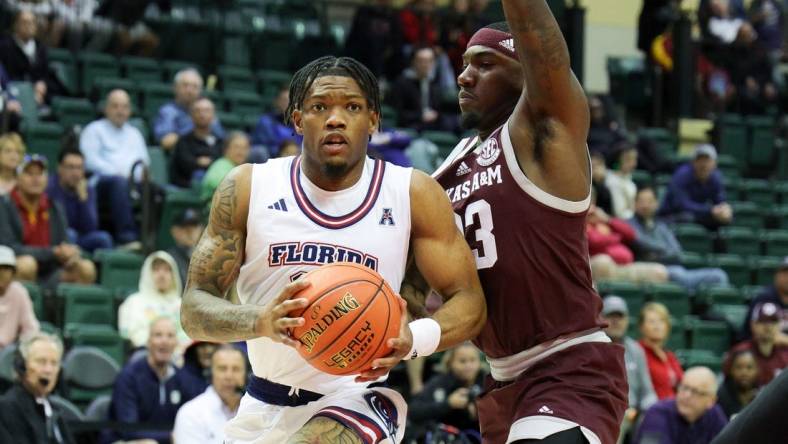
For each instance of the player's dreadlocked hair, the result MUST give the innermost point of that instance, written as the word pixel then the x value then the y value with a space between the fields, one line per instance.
pixel 332 66
pixel 499 26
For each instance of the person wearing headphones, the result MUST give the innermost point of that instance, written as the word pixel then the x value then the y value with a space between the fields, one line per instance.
pixel 202 420
pixel 26 413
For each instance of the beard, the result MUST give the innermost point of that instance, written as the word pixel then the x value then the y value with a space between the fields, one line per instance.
pixel 470 120
pixel 335 171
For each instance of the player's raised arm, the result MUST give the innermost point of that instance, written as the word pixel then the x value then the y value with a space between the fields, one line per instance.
pixel 206 311
pixel 446 263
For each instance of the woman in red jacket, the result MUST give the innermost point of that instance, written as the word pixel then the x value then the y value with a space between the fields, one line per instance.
pixel 663 366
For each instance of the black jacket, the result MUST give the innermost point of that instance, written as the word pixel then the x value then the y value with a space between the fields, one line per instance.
pixel 20 68
pixel 24 421
pixel 184 158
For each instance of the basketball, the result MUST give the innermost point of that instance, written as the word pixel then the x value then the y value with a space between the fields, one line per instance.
pixel 352 313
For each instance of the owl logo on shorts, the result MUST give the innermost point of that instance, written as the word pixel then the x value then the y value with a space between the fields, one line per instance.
pixel 384 408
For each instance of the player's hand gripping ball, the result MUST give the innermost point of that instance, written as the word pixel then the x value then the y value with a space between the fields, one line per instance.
pixel 351 315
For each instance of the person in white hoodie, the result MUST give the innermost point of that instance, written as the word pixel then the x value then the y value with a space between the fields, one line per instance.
pixel 159 294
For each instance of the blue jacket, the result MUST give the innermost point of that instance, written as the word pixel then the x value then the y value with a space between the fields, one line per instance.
pixel 686 194
pixel 664 425
pixel 81 216
pixel 174 119
pixel 655 242
pixel 139 397
pixel 271 132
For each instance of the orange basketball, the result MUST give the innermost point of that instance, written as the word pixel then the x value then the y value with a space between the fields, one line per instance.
pixel 352 313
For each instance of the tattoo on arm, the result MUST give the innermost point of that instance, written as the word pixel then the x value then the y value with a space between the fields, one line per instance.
pixel 322 430
pixel 207 312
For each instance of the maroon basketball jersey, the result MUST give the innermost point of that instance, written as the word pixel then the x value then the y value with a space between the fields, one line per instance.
pixel 530 248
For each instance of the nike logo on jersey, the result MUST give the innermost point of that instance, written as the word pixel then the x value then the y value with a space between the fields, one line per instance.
pixel 278 205
pixel 316 253
pixel 462 169
pixel 490 176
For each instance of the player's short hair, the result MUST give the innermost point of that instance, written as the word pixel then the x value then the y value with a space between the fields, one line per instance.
pixel 332 66
pixel 499 26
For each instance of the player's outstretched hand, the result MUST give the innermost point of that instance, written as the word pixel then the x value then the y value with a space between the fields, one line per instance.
pixel 400 347
pixel 273 321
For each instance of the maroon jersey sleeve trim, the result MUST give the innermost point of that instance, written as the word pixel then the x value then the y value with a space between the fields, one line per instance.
pixel 534 191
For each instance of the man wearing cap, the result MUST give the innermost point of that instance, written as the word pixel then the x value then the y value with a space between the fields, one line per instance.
pixel 770 355
pixel 641 391
pixel 696 192
pixel 777 293
pixel 35 228
pixel 186 232
pixel 17 318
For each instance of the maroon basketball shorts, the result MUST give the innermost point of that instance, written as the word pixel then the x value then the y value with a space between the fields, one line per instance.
pixel 584 385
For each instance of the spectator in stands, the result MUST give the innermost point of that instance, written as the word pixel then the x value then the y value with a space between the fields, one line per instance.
pixel 35 227
pixel 655 242
pixel 25 58
pixel 641 390
pixel 604 131
pixel 185 230
pixel 611 258
pixel 663 366
pixel 655 17
pixel 197 361
pixel 456 28
pixel 17 318
pixel 112 146
pixel 132 34
pixel 271 129
pixel 777 293
pixel 174 119
pixel 449 398
pixel 26 410
pixel 375 39
pixel 10 108
pixel 619 180
pixel 696 192
pixel 70 188
pixel 693 417
pixel 76 19
pixel 771 356
pixel 158 295
pixel 418 95
pixel 195 151
pixel 12 150
pixel 289 148
pixel 202 419
pixel 236 151
pixel 740 385
pixel 151 390
pixel 598 175
pixel 418 23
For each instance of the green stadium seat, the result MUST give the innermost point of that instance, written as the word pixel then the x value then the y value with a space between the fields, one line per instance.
pixel 693 358
pixel 722 295
pixel 627 77
pixel 388 117
pixel 273 50
pixel 141 69
pixel 758 191
pixel 43 138
pixel 764 269
pixel 25 94
pixel 775 242
pixel 734 314
pixel 762 141
pixel 736 266
pixel 64 63
pixel 271 80
pixel 693 238
pixel 159 166
pixel 678 334
pixel 445 140
pixel 242 102
pixel 779 215
pixel 693 260
pixel 781 188
pixel 633 294
pixel 236 49
pixel 71 111
pixel 747 214
pixel 140 124
pixel 171 67
pixel 675 298
pixel 174 204
pixel 94 65
pixel 154 95
pixel 712 336
pixel 86 304
pixel 642 177
pixel 37 298
pixel 727 164
pixel 665 141
pixel 88 372
pixel 119 269
pixel 103 337
pixel 731 138
pixel 235 78
pixel 232 121
pixel 740 240
pixel 749 292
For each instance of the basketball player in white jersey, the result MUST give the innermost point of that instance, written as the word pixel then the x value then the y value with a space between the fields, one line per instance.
pixel 271 223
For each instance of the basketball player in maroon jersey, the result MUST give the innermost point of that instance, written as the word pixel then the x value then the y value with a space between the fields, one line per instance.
pixel 520 192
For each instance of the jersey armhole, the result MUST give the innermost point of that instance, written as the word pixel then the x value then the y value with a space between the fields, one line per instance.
pixel 530 188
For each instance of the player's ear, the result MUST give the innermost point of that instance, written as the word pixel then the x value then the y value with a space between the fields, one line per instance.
pixel 296 119
pixel 374 122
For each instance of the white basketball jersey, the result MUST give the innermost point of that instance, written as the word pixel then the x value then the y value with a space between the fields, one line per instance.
pixel 294 227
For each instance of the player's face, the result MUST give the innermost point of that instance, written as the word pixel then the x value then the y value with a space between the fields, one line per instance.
pixel 490 86
pixel 336 122
pixel 744 370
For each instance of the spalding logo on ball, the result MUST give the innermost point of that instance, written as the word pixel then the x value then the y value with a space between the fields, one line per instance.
pixel 352 313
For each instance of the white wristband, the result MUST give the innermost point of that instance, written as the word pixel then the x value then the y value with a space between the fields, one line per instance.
pixel 426 337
